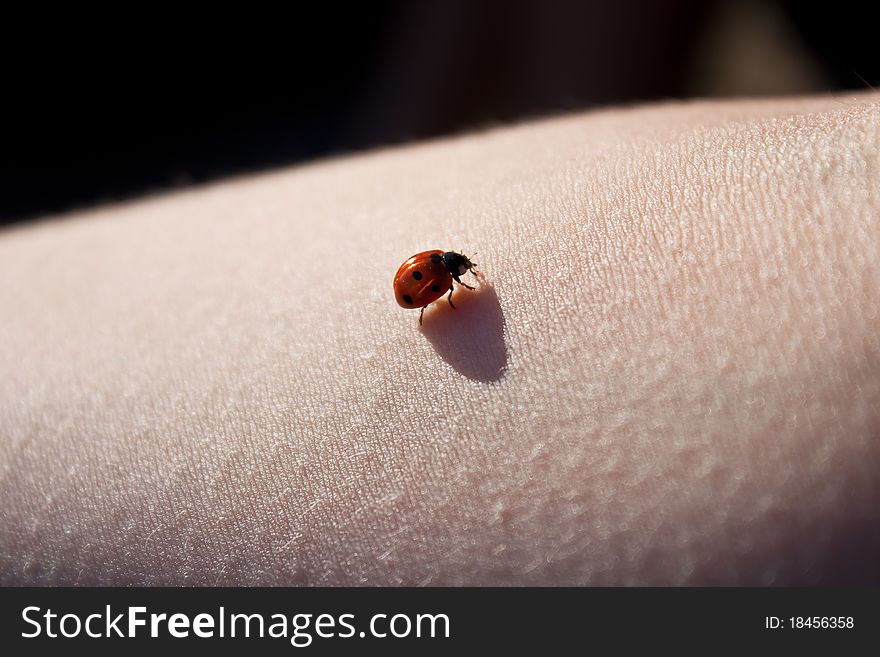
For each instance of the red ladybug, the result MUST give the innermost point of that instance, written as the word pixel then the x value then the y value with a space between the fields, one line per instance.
pixel 427 276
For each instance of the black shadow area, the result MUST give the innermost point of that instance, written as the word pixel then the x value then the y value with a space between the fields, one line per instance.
pixel 471 336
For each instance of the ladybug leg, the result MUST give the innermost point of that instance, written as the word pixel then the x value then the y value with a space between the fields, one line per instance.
pixel 458 280
pixel 422 312
pixel 449 298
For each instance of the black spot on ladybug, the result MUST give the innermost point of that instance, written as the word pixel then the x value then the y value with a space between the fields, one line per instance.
pixel 435 258
pixel 407 298
pixel 435 288
pixel 417 275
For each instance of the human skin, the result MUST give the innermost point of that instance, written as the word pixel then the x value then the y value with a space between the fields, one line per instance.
pixel 668 375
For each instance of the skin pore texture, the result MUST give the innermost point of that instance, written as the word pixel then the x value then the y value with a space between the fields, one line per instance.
pixel 669 372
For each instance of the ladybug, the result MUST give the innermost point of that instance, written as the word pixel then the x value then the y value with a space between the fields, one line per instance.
pixel 425 277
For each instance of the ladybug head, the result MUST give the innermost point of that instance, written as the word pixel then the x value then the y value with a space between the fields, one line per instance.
pixel 456 263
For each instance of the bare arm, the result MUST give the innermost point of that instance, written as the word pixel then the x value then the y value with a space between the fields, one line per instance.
pixel 669 374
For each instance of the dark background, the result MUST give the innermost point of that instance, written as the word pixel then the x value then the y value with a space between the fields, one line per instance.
pixel 114 105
